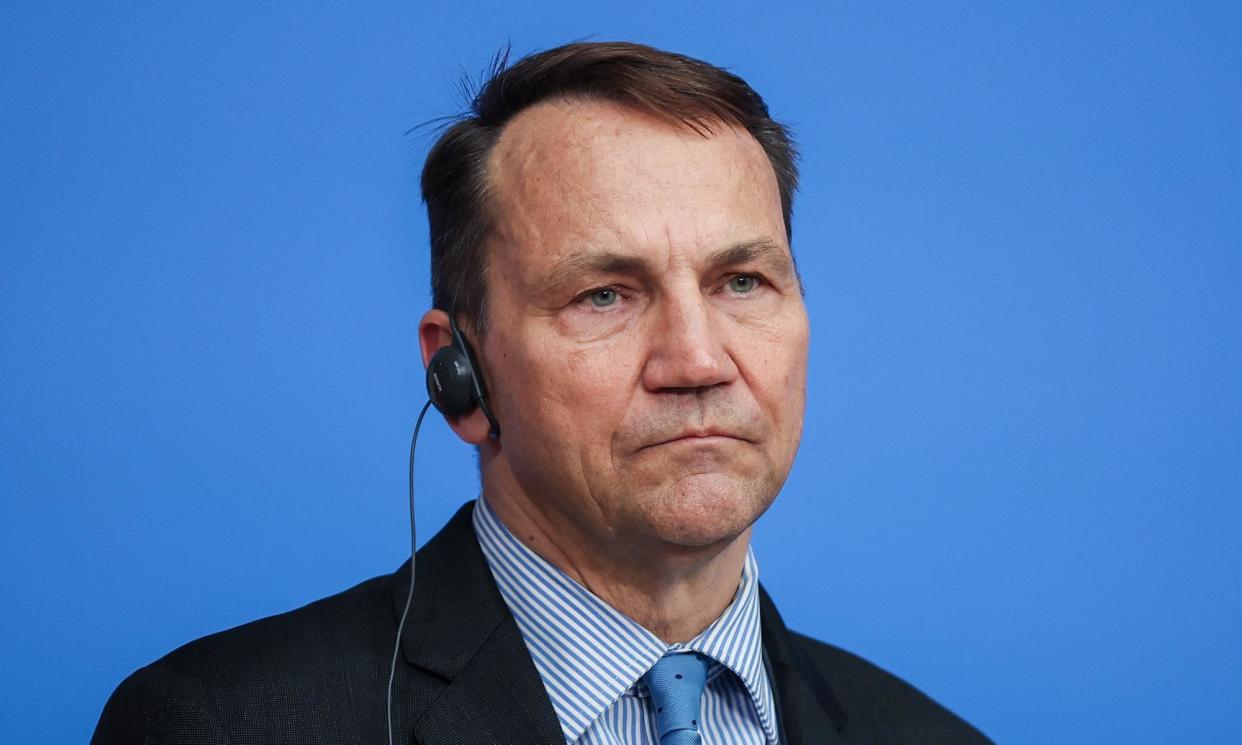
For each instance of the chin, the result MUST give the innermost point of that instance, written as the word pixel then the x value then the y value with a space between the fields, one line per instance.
pixel 705 509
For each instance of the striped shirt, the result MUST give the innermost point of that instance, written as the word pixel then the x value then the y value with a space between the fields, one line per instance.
pixel 592 657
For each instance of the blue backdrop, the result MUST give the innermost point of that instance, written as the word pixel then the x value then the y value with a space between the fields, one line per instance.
pixel 1021 237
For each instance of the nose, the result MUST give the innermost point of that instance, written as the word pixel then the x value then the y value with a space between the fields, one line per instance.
pixel 687 348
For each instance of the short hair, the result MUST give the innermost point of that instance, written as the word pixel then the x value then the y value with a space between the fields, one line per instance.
pixel 672 87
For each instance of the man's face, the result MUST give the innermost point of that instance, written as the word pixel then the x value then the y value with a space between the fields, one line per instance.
pixel 647 342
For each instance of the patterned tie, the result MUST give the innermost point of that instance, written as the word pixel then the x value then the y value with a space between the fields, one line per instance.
pixel 676 683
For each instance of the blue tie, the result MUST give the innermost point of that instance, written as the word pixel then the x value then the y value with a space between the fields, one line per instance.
pixel 676 684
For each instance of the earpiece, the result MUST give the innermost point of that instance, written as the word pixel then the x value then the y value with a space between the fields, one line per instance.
pixel 455 382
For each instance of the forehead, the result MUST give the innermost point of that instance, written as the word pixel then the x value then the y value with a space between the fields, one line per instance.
pixel 575 174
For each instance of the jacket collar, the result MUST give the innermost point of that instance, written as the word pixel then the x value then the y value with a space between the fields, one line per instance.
pixel 809 712
pixel 461 631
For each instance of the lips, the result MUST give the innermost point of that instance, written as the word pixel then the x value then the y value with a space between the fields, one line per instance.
pixel 703 435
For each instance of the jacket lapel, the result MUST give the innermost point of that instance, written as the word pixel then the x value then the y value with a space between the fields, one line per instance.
pixel 461 632
pixel 809 713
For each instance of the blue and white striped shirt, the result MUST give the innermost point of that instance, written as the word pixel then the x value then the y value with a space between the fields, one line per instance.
pixel 592 657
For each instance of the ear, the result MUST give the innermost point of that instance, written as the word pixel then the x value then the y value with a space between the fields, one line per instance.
pixel 433 333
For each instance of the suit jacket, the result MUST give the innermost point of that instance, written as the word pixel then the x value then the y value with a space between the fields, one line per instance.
pixel 319 674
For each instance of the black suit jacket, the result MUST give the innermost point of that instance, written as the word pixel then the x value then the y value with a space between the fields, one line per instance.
pixel 319 674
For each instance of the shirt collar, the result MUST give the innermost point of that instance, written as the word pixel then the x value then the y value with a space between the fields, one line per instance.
pixel 589 654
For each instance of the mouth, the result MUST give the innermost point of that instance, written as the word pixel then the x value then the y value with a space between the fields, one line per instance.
pixel 699 437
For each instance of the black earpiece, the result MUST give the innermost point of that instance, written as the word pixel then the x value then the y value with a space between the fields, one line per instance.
pixel 455 382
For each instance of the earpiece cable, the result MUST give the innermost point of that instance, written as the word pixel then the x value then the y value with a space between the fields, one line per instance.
pixel 396 646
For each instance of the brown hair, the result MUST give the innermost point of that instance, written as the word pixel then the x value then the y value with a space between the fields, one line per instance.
pixel 670 86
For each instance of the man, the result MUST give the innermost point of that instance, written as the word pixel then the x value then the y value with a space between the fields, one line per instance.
pixel 610 230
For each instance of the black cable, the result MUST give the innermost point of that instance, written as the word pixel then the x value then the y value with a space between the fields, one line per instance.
pixel 396 646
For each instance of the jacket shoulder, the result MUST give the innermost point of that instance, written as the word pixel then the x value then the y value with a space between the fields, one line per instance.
pixel 274 674
pixel 880 706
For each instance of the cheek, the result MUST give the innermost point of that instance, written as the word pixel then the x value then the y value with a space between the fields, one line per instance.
pixel 795 377
pixel 795 385
pixel 781 377
pixel 598 387
pixel 572 398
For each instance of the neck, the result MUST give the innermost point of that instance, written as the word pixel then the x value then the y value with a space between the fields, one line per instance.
pixel 673 591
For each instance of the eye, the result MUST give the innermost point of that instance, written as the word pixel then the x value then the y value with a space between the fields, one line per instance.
pixel 743 283
pixel 603 297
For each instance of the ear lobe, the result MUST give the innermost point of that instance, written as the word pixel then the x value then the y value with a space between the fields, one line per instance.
pixel 472 428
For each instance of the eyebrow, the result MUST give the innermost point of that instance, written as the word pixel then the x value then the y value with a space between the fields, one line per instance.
pixel 610 262
pixel 758 250
pixel 598 262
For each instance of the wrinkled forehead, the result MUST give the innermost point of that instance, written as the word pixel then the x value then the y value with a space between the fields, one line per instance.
pixel 580 170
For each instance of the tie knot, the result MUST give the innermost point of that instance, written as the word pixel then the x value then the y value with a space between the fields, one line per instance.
pixel 676 683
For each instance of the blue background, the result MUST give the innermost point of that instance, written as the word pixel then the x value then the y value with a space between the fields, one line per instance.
pixel 1020 233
